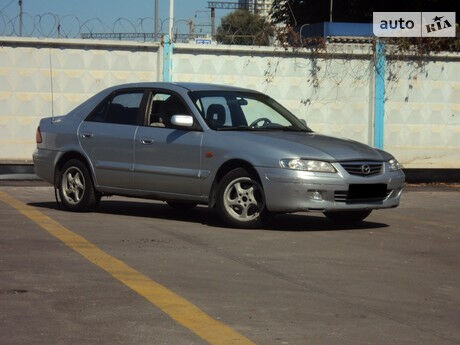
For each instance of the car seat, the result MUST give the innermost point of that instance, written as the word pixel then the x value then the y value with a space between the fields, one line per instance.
pixel 216 116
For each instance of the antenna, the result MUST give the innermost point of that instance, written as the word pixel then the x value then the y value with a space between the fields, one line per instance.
pixel 51 88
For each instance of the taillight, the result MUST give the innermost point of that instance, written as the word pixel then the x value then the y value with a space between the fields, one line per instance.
pixel 38 136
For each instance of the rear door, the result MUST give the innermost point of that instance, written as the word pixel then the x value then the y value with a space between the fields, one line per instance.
pixel 107 137
pixel 167 159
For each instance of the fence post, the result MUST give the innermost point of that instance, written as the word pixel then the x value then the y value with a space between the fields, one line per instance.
pixel 379 123
pixel 167 59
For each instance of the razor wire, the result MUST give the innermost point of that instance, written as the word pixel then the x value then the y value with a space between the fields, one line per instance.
pixel 52 25
pixel 49 25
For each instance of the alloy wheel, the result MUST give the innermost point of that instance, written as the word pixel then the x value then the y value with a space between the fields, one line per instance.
pixel 243 199
pixel 73 185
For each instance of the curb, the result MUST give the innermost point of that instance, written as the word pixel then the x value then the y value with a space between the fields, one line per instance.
pixel 432 175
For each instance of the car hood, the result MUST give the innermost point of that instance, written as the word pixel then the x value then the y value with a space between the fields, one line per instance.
pixel 316 146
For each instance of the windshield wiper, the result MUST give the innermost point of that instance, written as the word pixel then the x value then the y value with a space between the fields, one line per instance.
pixel 261 129
pixel 294 129
pixel 234 128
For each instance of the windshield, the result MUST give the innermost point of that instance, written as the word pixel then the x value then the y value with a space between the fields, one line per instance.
pixel 233 110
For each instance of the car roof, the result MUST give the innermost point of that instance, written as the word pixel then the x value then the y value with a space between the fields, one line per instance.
pixel 86 107
pixel 187 86
pixel 211 87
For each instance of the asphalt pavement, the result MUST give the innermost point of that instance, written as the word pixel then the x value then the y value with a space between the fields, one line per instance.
pixel 395 279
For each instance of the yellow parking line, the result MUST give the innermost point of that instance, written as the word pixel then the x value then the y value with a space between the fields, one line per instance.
pixel 177 307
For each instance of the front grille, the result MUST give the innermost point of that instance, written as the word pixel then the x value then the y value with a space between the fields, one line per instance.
pixel 367 168
pixel 341 195
pixel 362 193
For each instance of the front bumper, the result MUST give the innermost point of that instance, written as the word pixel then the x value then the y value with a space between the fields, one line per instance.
pixel 292 190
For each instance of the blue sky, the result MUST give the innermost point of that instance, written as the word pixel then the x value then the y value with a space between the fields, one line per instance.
pixel 110 10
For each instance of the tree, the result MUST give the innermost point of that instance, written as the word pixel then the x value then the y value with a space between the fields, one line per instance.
pixel 294 13
pixel 243 27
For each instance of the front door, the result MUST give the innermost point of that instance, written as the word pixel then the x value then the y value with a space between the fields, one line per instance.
pixel 167 159
pixel 107 137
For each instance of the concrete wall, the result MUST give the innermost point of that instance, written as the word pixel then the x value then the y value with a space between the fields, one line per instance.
pixel 334 95
pixel 333 92
pixel 79 69
pixel 422 117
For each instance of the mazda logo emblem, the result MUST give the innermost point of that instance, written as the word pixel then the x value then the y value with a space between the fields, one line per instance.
pixel 365 169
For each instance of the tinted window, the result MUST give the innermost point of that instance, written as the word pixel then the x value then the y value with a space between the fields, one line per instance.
pixel 121 109
pixel 162 107
pixel 124 109
pixel 99 113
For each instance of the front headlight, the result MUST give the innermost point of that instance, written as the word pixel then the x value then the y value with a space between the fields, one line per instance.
pixel 394 165
pixel 307 165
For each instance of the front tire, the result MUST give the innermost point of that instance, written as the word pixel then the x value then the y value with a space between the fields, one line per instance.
pixel 241 200
pixel 76 188
pixel 347 217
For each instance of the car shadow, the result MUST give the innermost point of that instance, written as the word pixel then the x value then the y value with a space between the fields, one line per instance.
pixel 209 217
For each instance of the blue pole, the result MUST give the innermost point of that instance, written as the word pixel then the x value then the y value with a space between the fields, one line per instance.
pixel 380 65
pixel 167 59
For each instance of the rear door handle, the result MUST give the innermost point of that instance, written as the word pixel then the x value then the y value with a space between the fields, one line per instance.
pixel 87 135
pixel 147 141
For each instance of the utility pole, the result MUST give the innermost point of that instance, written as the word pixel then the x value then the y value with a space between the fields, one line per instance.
pixel 213 22
pixel 171 19
pixel 330 13
pixel 191 29
pixel 20 17
pixel 156 19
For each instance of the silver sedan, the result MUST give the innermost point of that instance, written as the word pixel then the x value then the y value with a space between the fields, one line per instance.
pixel 233 149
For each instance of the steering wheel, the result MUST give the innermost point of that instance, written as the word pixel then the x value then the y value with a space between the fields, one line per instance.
pixel 254 123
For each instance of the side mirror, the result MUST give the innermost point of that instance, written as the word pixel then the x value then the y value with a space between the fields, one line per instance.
pixel 304 122
pixel 182 120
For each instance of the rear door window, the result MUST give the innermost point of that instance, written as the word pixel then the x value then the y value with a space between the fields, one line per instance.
pixel 124 108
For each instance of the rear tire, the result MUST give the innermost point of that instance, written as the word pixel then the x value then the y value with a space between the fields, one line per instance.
pixel 76 188
pixel 182 205
pixel 347 217
pixel 240 200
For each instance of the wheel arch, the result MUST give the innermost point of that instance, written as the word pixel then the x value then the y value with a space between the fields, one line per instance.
pixel 65 157
pixel 226 167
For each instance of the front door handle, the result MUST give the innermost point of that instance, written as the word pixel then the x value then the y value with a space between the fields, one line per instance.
pixel 87 135
pixel 147 141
